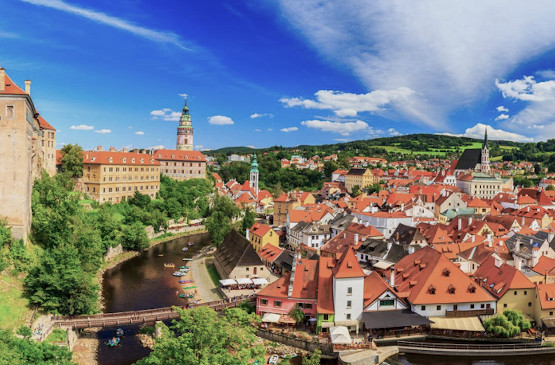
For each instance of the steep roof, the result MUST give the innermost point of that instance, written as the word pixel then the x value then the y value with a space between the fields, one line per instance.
pixel 277 289
pixel 431 278
pixel 325 285
pixel 374 286
pixel 356 172
pixel 545 265
pixel 44 124
pixel 469 159
pixel 236 251
pixel 118 158
pixel 348 266
pixel 260 229
pixel 270 252
pixel 546 295
pixel 363 230
pixel 179 155
pixel 10 87
pixel 497 280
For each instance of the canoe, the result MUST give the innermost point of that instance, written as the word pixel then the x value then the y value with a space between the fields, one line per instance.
pixel 189 287
pixel 178 273
pixel 184 267
pixel 186 259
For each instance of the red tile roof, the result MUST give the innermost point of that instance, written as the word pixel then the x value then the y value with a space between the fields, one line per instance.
pixel 348 266
pixel 119 158
pixel 546 295
pixel 260 229
pixel 362 230
pixel 325 285
pixel 497 280
pixel 269 252
pixel 544 266
pixel 10 87
pixel 44 124
pixel 374 286
pixel 178 155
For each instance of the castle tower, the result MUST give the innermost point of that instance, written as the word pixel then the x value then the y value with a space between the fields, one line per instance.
pixel 484 163
pixel 185 131
pixel 253 181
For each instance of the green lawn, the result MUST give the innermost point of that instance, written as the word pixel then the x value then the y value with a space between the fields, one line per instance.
pixel 214 276
pixel 58 335
pixel 14 307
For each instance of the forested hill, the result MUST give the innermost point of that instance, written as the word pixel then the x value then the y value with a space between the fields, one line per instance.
pixel 421 144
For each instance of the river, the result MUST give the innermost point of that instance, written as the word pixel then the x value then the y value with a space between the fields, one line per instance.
pixel 443 360
pixel 142 283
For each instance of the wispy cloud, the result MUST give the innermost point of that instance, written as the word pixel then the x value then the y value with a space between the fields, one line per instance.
pixel 82 127
pixel 140 133
pixel 220 120
pixel 502 117
pixel 289 129
pixel 166 114
pixel 103 131
pixel 502 109
pixel 478 130
pixel 112 21
pixel 447 52
pixel 344 129
pixel 261 115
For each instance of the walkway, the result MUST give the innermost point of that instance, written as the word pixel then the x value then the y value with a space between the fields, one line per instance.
pixel 206 288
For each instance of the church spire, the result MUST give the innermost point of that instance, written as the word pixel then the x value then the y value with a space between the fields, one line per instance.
pixel 485 144
pixel 185 130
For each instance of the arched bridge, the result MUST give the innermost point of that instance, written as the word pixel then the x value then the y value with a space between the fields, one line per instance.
pixel 135 317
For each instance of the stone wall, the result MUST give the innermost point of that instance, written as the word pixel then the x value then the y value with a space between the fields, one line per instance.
pixel 327 349
pixel 113 252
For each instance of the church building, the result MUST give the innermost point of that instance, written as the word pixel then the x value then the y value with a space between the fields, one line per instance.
pixel 474 159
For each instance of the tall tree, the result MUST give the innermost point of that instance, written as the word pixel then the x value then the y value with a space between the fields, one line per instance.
pixel 248 220
pixel 72 160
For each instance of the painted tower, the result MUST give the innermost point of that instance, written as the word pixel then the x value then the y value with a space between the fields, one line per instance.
pixel 185 131
pixel 253 182
pixel 484 163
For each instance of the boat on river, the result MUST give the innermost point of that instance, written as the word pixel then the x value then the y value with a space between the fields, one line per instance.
pixel 184 267
pixel 113 342
pixel 179 273
pixel 119 332
pixel 187 259
pixel 169 264
pixel 185 248
pixel 190 244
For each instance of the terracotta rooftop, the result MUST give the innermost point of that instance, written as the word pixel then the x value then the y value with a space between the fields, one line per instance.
pixel 178 155
pixel 119 158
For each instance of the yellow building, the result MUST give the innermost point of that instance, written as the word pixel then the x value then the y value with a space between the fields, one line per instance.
pixel 545 302
pixel 22 153
pixel 112 176
pixel 181 165
pixel 260 235
pixel 359 177
pixel 512 289
pixel 286 202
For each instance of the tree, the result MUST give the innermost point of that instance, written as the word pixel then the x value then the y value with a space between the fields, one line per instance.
pixel 16 351
pixel 133 237
pixel 508 324
pixel 24 331
pixel 140 200
pixel 314 359
pixel 297 314
pixel 72 160
pixel 218 225
pixel 248 220
pixel 355 191
pixel 550 187
pixel 200 336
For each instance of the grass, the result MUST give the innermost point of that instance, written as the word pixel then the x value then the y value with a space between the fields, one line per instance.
pixel 14 307
pixel 437 151
pixel 214 276
pixel 57 335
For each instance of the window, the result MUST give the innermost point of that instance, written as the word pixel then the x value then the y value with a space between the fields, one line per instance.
pixel 550 313
pixel 515 292
pixel 529 304
pixel 277 303
pixel 525 292
pixel 349 304
pixel 482 306
pixel 327 316
pixel 307 306
pixel 438 307
pixel 263 301
pixel 387 302
pixel 10 111
pixel 505 305
pixel 472 306
pixel 350 290
pixel 348 316
pixel 423 308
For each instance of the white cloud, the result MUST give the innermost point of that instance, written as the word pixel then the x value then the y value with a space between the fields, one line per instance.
pixel 546 74
pixel 344 129
pixel 478 130
pixel 539 100
pixel 349 104
pixel 140 133
pixel 502 117
pixel 448 52
pixel 183 95
pixel 112 21
pixel 103 131
pixel 258 130
pixel 159 147
pixel 502 109
pixel 289 129
pixel 220 120
pixel 251 146
pixel 82 127
pixel 260 115
pixel 270 129
pixel 166 115
pixel 393 132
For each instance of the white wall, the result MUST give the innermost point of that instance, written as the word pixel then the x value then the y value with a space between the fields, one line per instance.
pixel 375 305
pixel 341 296
pixel 432 311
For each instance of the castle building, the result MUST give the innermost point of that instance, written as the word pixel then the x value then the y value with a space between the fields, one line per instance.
pixel 474 159
pixel 27 146
pixel 110 176
pixel 253 181
pixel 181 165
pixel 185 131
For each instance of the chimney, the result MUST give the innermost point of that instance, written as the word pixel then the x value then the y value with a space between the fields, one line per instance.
pixel 28 87
pixel 100 148
pixel 389 245
pixel 2 79
pixel 392 278
pixel 125 149
pixel 112 149
pixel 247 234
pixel 460 224
pixel 517 245
pixel 518 264
pixel 356 239
pixel 470 221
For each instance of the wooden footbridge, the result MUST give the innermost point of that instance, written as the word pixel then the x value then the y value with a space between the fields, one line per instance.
pixel 135 317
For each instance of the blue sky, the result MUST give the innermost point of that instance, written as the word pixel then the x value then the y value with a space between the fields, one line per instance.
pixel 283 72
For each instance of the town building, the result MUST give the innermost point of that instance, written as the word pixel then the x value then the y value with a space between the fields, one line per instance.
pixel 288 201
pixel 110 176
pixel 185 131
pixel 253 180
pixel 474 159
pixel 359 177
pixel 261 235
pixel 27 146
pixel 181 164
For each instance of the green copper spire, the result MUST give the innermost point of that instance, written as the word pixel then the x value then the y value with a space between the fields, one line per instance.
pixel 254 164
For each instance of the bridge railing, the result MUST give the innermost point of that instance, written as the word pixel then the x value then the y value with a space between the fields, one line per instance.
pixel 457 346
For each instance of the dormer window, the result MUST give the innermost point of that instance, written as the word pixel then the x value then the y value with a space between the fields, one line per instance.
pixel 142 160
pixel 432 289
pixel 159 155
pixel 110 160
pixel 451 289
pixel 472 289
pixel 133 160
pixel 446 272
pixel 124 160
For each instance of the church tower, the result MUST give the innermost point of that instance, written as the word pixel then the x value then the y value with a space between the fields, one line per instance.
pixel 484 163
pixel 253 181
pixel 185 131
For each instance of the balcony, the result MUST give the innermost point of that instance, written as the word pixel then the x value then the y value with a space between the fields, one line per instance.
pixel 468 313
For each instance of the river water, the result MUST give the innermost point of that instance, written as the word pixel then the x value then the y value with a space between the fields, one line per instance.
pixel 142 283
